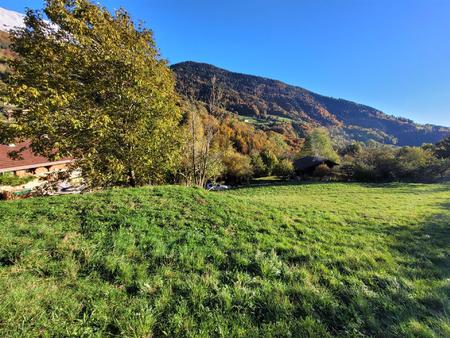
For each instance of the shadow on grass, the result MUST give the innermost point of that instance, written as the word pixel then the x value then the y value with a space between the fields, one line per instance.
pixel 408 186
pixel 426 247
pixel 402 187
pixel 281 183
pixel 423 290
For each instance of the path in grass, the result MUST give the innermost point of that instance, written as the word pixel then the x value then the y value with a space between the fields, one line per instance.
pixel 298 260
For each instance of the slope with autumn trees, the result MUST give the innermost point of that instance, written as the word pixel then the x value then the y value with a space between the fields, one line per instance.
pixel 276 105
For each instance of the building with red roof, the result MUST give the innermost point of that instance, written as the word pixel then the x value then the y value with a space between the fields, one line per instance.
pixel 28 163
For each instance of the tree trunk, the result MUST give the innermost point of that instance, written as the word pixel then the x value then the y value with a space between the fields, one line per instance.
pixel 131 178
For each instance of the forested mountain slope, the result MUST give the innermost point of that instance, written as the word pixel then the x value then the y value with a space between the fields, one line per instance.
pixel 274 105
pixel 270 100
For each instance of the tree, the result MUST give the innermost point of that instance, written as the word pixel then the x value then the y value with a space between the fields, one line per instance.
pixel 258 165
pixel 318 143
pixel 443 148
pixel 93 86
pixel 374 162
pixel 202 158
pixel 411 163
pixel 438 168
pixel 351 149
pixel 238 167
pixel 277 145
pixel 378 162
pixel 284 168
pixel 214 99
pixel 270 160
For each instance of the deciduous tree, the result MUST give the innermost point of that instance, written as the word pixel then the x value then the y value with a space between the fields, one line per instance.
pixel 93 86
pixel 318 143
pixel 443 148
pixel 202 157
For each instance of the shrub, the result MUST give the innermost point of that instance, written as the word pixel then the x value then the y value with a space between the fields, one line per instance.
pixel 443 148
pixel 378 163
pixel 321 171
pixel 259 167
pixel 270 160
pixel 318 143
pixel 238 167
pixel 284 168
pixel 352 149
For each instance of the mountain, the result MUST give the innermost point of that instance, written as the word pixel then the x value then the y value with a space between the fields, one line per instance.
pixel 265 100
pixel 5 53
pixel 10 19
pixel 270 103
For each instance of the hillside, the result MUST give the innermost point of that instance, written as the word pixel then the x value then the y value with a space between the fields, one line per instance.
pixel 298 260
pixel 266 99
pixel 8 20
pixel 274 105
pixel 5 55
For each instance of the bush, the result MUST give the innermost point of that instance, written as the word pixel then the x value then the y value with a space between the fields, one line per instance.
pixel 352 149
pixel 284 168
pixel 270 160
pixel 378 163
pixel 373 163
pixel 321 171
pixel 318 143
pixel 238 167
pixel 443 148
pixel 259 167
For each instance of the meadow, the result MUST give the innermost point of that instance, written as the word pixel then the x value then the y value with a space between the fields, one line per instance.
pixel 306 260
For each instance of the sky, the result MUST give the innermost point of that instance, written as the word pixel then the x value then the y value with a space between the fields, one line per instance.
pixel 393 55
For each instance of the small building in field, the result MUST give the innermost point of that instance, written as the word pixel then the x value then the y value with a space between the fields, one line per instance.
pixel 28 164
pixel 307 165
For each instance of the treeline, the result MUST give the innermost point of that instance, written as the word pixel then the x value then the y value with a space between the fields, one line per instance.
pixel 221 147
pixel 218 146
pixel 374 162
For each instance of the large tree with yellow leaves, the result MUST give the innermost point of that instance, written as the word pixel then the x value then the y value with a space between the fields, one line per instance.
pixel 92 85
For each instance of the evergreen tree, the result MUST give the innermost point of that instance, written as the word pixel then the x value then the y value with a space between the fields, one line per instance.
pixel 93 86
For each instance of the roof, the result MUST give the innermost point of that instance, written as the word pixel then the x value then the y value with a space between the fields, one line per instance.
pixel 308 162
pixel 28 159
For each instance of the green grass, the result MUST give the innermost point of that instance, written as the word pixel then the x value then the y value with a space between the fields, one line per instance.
pixel 12 180
pixel 268 180
pixel 265 120
pixel 312 260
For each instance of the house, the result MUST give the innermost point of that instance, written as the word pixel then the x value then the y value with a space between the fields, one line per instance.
pixel 308 164
pixel 28 164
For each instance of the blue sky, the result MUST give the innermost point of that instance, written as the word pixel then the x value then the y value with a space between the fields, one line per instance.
pixel 393 55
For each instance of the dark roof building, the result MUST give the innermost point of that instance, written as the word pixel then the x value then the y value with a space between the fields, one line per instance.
pixel 307 164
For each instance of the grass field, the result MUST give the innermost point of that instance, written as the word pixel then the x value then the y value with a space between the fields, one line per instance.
pixel 295 260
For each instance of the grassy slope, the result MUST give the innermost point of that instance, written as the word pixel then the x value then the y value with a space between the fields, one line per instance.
pixel 317 260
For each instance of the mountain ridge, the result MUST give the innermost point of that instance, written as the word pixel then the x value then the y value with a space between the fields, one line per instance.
pixel 262 98
pixel 271 101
